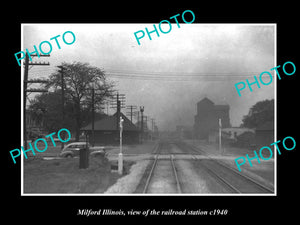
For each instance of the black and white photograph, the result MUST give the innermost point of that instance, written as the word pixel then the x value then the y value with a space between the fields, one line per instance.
pixel 142 113
pixel 131 109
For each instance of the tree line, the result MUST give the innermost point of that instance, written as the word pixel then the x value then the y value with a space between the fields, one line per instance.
pixel 79 79
pixel 260 113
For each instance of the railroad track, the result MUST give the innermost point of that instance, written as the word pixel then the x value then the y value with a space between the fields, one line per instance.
pixel 163 175
pixel 230 178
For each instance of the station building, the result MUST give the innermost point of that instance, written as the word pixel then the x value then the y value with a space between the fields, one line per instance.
pixel 106 131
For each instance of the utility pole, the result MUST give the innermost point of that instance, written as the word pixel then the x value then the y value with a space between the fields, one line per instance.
pixel 93 116
pixel 106 103
pixel 138 118
pixel 61 71
pixel 93 94
pixel 120 159
pixel 146 127
pixel 142 123
pixel 145 122
pixel 118 110
pixel 152 128
pixel 131 107
pixel 118 103
pixel 220 135
pixel 25 90
pixel 24 100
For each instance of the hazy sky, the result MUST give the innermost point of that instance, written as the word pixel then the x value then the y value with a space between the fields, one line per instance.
pixel 171 73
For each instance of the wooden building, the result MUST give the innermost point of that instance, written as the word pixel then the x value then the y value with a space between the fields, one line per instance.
pixel 106 131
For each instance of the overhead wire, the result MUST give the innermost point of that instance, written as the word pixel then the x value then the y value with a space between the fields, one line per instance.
pixel 161 76
pixel 178 76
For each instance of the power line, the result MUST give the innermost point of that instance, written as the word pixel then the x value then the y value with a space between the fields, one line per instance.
pixel 166 76
pixel 175 73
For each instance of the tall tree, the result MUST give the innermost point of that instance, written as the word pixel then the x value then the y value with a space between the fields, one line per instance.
pixel 79 79
pixel 46 107
pixel 259 114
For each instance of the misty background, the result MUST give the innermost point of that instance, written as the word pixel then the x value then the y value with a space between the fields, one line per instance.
pixel 169 74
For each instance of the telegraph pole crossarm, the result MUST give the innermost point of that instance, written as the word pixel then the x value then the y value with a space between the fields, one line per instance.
pixel 36 90
pixel 37 81
pixel 39 64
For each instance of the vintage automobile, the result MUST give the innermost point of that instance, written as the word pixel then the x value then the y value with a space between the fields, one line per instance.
pixel 72 149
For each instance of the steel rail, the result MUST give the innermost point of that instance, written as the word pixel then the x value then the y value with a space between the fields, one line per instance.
pixel 247 178
pixel 261 186
pixel 150 175
pixel 220 178
pixel 157 152
pixel 179 190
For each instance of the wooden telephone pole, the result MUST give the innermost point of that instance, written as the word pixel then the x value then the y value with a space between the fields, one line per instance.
pixel 25 90
pixel 142 123
pixel 61 71
pixel 118 103
pixel 131 113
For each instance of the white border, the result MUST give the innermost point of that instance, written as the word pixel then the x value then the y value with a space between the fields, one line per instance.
pixel 275 110
pixel 207 194
pixel 22 116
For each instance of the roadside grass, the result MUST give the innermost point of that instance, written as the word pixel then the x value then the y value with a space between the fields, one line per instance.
pixel 64 176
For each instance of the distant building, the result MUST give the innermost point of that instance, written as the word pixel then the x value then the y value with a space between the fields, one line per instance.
pixel 106 131
pixel 207 118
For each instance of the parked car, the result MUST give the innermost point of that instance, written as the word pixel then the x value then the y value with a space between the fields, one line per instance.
pixel 72 149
